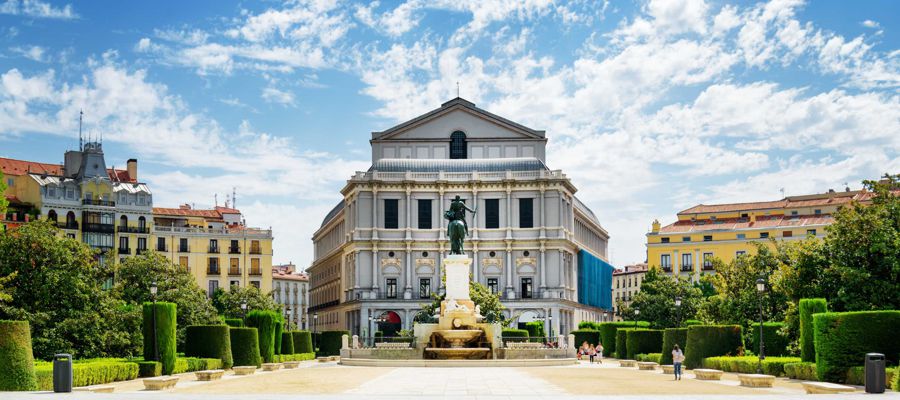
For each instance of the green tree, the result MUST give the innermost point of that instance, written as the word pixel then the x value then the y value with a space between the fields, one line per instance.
pixel 488 303
pixel 5 290
pixel 3 202
pixel 228 303
pixel 175 285
pixel 656 299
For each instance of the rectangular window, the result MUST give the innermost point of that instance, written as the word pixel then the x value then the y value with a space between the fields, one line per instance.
pixel 160 244
pixel 235 267
pixel 794 212
pixel 686 261
pixel 183 245
pixel 526 288
pixel 526 213
pixel 213 245
pixel 817 211
pixel 255 284
pixel 492 285
pixel 741 236
pixel 183 262
pixel 707 260
pixel 424 288
pixel 234 284
pixel 491 213
pixel 685 238
pixel 254 247
pixel 254 267
pixel 764 235
pixel 390 288
pixel 142 244
pixel 665 260
pixel 665 240
pixel 213 286
pixel 213 266
pixel 424 214
pixel 811 232
pixel 787 233
pixel 740 253
pixel 234 248
pixel 707 238
pixel 391 214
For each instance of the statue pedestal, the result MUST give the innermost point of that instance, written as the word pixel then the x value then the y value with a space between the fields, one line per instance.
pixel 457 267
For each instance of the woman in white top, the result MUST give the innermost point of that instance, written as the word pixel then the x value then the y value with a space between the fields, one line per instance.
pixel 677 359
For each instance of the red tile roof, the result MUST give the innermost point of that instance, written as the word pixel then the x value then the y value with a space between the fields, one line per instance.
pixel 226 210
pixel 826 199
pixel 186 212
pixel 13 167
pixel 762 222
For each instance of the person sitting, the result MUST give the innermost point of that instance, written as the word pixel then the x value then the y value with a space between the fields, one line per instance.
pixel 599 353
pixel 592 352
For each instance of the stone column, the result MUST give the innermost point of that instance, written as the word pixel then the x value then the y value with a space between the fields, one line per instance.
pixel 543 232
pixel 407 292
pixel 543 267
pixel 345 342
pixel 475 264
pixel 408 213
pixel 374 212
pixel 375 271
pixel 509 271
pixel 441 211
pixel 355 341
pixel 508 212
pixel 355 256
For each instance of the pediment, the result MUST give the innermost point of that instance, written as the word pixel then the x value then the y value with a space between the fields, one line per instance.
pixel 458 115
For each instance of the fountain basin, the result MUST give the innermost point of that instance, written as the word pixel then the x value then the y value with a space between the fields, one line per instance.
pixel 465 353
pixel 458 338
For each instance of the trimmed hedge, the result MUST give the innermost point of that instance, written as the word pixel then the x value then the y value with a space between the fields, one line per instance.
pixel 514 335
pixel 89 373
pixel 692 322
pixel 748 364
pixel 808 307
pixel 671 337
pixel 622 343
pixel 287 343
pixel 776 345
pixel 652 357
pixel 895 382
pixel 643 341
pixel 608 333
pixel 265 322
pixel 586 335
pixel 191 364
pixel 803 370
pixel 535 329
pixel 147 369
pixel 302 342
pixel 296 357
pixel 209 341
pixel 165 334
pixel 16 358
pixel 245 346
pixel 331 342
pixel 843 339
pixel 279 329
pixel 857 376
pixel 710 341
pixel 235 322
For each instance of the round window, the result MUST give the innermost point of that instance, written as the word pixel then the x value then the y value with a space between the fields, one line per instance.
pixel 493 254
pixel 424 254
pixel 526 253
pixel 390 254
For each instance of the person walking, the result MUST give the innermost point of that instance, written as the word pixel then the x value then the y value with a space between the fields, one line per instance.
pixel 592 351
pixel 599 353
pixel 677 359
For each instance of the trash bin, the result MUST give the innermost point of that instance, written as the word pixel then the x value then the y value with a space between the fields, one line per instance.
pixel 62 373
pixel 875 379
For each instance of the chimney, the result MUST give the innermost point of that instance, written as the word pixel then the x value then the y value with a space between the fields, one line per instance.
pixel 185 206
pixel 656 226
pixel 132 169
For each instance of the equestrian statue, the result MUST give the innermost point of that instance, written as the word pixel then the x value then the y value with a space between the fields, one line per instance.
pixel 457 229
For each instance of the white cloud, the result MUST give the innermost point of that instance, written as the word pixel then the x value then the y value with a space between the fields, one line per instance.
pixel 871 24
pixel 37 9
pixel 274 95
pixel 34 53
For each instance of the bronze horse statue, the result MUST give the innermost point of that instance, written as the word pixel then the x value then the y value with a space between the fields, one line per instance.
pixel 457 229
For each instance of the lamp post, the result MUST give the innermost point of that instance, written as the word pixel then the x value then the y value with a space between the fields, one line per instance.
pixel 372 334
pixel 637 311
pixel 153 289
pixel 287 318
pixel 550 329
pixel 678 311
pixel 243 309
pixel 761 289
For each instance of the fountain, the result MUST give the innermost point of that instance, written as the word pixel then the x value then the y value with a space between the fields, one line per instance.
pixel 458 335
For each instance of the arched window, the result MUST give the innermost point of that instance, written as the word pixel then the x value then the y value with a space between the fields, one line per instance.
pixel 51 216
pixel 123 222
pixel 70 219
pixel 142 222
pixel 458 145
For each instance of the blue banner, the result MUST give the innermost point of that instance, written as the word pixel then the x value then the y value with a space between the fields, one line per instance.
pixel 594 281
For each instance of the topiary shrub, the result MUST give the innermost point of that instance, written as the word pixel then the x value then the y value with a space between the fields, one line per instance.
pixel 692 322
pixel 235 322
pixel 808 307
pixel 748 364
pixel 165 334
pixel 776 344
pixel 671 337
pixel 149 369
pixel 535 329
pixel 843 339
pixel 331 342
pixel 895 381
pixel 651 357
pixel 711 340
pixel 514 335
pixel 608 333
pixel 287 343
pixel 279 328
pixel 245 346
pixel 589 325
pixel 643 341
pixel 209 341
pixel 181 366
pixel 302 342
pixel 16 358
pixel 586 335
pixel 621 343
pixel 265 322
pixel 805 371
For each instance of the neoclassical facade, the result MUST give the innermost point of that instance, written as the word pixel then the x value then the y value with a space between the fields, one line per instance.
pixel 378 252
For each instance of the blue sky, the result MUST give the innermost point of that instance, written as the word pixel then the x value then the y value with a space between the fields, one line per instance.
pixel 650 106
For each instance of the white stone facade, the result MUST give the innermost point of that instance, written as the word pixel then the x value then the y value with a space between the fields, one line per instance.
pixel 292 290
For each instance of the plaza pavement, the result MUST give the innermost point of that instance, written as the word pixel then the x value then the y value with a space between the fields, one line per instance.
pixel 327 381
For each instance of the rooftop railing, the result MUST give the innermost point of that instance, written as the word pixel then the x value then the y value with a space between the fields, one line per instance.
pixel 458 176
pixel 254 232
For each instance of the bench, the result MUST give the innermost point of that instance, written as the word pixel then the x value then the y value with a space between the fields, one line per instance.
pixel 627 363
pixel 210 374
pixel 757 380
pixel 647 366
pixel 334 358
pixel 322 359
pixel 708 374
pixel 244 370
pixel 160 382
pixel 392 345
pixel 291 364
pixel 268 367
pixel 95 389
pixel 668 369
pixel 826 388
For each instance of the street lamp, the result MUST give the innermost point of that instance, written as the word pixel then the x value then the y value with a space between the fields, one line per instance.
pixel 287 318
pixel 678 311
pixel 370 333
pixel 153 289
pixel 244 309
pixel 315 325
pixel 550 329
pixel 637 311
pixel 761 289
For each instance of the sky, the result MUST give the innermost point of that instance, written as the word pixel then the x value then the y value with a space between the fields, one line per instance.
pixel 650 106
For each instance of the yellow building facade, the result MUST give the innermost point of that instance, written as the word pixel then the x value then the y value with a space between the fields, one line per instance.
pixel 703 233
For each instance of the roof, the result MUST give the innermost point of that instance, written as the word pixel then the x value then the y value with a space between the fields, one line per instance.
pixel 13 167
pixel 631 269
pixel 457 104
pixel 824 199
pixel 227 210
pixel 186 212
pixel 762 222
pixel 587 211
pixel 458 165
pixel 290 277
pixel 331 214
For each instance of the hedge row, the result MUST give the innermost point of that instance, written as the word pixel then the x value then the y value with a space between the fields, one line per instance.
pixel 621 343
pixel 843 339
pixel 235 322
pixel 209 341
pixel 748 364
pixel 16 358
pixel 590 336
pixel 857 376
pixel 652 357
pixel 330 344
pixel 165 334
pixel 808 307
pixel 295 357
pixel 608 333
pixel 671 337
pixel 86 374
pixel 191 364
pixel 803 370
pixel 266 324
pixel 302 342
pixel 776 344
pixel 692 322
pixel 148 369
pixel 287 343
pixel 895 381
pixel 643 341
pixel 513 335
pixel 245 346
pixel 710 341
pixel 535 329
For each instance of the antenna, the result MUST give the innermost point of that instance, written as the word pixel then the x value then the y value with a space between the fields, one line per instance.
pixel 233 197
pixel 457 88
pixel 782 192
pixel 80 122
pixel 216 198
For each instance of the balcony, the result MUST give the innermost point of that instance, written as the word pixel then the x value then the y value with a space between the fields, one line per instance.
pixel 234 250
pixel 212 270
pixel 235 231
pixel 184 249
pixel 124 250
pixel 234 271
pixel 69 225
pixel 213 250
pixel 687 267
pixel 496 176
pixel 255 251
pixel 708 267
pixel 92 202
pixel 255 271
pixel 133 229
pixel 161 248
pixel 140 251
pixel 667 268
pixel 98 228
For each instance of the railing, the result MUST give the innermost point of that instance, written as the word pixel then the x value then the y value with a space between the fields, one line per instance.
pixel 687 267
pixel 66 225
pixel 667 268
pixel 234 250
pixel 133 229
pixel 255 271
pixel 212 270
pixel 708 267
pixel 99 228
pixel 386 343
pixel 255 251
pixel 140 251
pixel 234 271
pixel 213 250
pixel 161 248
pixel 323 305
pixel 457 176
pixel 124 250
pixel 92 202
pixel 184 249
pixel 244 231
